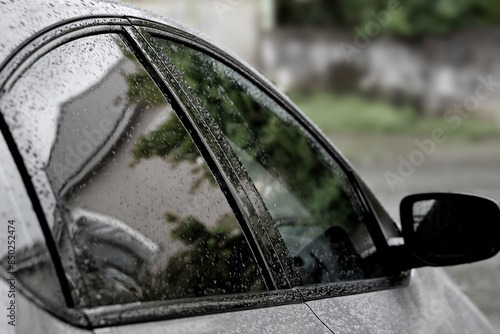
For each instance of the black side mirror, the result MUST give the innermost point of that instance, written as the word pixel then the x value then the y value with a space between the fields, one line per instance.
pixel 442 229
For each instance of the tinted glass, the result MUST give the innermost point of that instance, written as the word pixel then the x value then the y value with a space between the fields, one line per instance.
pixel 137 206
pixel 23 252
pixel 304 189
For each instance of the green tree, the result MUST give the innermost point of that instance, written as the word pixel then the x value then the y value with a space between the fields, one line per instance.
pixel 418 17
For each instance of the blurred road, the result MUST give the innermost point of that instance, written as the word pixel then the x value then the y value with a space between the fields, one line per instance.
pixel 468 167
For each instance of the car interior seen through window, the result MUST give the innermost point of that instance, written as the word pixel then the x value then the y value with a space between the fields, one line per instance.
pixel 138 211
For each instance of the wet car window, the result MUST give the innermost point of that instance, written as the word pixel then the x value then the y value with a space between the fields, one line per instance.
pixel 138 210
pixel 24 253
pixel 305 191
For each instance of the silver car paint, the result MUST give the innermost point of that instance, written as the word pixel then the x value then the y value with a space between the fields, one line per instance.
pixel 286 319
pixel 30 318
pixel 432 303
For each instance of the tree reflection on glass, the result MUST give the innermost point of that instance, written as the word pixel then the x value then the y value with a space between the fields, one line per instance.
pixel 141 165
pixel 170 139
pixel 251 122
pixel 213 261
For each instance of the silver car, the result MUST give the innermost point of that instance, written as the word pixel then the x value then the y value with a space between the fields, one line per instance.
pixel 152 182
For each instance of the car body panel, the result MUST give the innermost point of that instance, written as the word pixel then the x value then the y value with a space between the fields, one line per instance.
pixel 285 319
pixel 431 303
pixel 30 317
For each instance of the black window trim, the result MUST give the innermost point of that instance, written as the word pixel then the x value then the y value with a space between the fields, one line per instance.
pixel 118 315
pixel 315 291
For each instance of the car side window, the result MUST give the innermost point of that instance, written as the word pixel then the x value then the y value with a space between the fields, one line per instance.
pixel 306 192
pixel 137 206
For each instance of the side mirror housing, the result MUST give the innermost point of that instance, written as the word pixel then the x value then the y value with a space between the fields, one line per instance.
pixel 443 229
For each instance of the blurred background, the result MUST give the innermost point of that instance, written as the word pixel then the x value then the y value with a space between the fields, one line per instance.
pixel 407 90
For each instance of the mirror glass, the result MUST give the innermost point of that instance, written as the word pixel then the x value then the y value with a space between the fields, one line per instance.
pixel 454 228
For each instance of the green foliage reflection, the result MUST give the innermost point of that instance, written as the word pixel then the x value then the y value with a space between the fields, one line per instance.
pixel 170 140
pixel 214 260
pixel 259 128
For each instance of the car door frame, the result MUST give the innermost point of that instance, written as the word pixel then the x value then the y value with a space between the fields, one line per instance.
pixel 278 293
